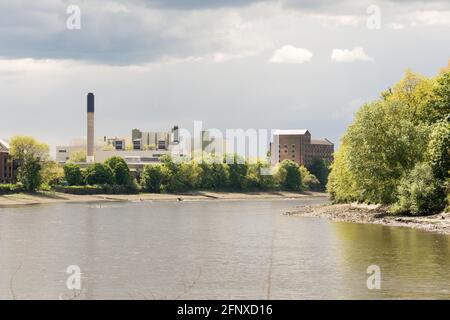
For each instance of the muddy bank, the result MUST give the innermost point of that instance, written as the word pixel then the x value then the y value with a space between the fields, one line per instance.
pixel 55 197
pixel 376 214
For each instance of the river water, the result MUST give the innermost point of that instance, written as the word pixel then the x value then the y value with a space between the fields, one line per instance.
pixel 212 250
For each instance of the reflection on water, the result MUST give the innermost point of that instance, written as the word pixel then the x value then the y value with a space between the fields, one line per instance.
pixel 212 249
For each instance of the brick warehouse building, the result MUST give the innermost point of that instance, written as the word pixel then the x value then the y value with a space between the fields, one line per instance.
pixel 7 168
pixel 297 145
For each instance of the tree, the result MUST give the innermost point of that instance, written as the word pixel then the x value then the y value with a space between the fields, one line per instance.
pixel 319 168
pixel 259 176
pixel 309 181
pixel 381 146
pixel 237 169
pixel 73 175
pixel 419 192
pixel 29 154
pixel 98 173
pixel 152 178
pixel 120 170
pixel 288 175
pixel 78 156
pixel 438 151
pixel 52 174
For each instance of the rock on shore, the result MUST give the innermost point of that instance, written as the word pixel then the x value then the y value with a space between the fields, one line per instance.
pixel 376 214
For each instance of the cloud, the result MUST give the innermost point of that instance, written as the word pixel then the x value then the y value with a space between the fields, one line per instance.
pixel 396 26
pixel 291 54
pixel 345 55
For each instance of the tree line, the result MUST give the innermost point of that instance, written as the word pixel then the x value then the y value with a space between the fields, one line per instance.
pixel 37 172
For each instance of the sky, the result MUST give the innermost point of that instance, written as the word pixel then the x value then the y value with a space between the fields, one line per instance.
pixel 152 64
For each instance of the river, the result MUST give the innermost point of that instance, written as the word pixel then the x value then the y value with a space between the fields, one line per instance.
pixel 212 250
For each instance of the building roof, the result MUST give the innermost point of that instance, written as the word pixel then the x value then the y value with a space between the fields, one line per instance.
pixel 321 141
pixel 4 146
pixel 290 132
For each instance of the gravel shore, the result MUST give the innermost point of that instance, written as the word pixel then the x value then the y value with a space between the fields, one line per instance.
pixel 376 214
pixel 55 197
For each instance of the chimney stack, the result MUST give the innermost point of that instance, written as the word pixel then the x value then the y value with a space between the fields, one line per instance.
pixel 90 128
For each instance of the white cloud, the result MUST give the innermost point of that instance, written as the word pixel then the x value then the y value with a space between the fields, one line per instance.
pixel 345 55
pixel 431 17
pixel 396 26
pixel 291 54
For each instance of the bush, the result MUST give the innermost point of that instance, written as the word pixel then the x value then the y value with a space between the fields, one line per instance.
pixel 309 181
pixel 52 174
pixel 288 176
pixel 98 174
pixel 73 175
pixel 29 175
pixel 419 192
pixel 95 189
pixel 10 188
pixel 152 178
pixel 320 169
pixel 120 170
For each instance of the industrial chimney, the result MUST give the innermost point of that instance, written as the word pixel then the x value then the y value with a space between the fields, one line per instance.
pixel 90 128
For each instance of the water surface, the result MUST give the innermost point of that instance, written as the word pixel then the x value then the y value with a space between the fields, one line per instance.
pixel 212 250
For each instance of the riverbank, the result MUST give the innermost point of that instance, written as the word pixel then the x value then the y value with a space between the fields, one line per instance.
pixel 375 214
pixel 56 197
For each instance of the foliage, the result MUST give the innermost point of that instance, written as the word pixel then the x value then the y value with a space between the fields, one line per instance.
pixel 73 175
pixel 152 178
pixel 309 181
pixel 10 188
pixel 52 174
pixel 121 172
pixel 94 189
pixel 392 142
pixel 259 177
pixel 98 173
pixel 438 151
pixel 29 154
pixel 320 169
pixel 77 156
pixel 237 169
pixel 288 176
pixel 419 192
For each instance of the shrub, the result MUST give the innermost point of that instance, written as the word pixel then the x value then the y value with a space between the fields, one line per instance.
pixel 419 192
pixel 288 176
pixel 73 175
pixel 98 173
pixel 120 170
pixel 52 174
pixel 309 181
pixel 95 189
pixel 29 174
pixel 10 188
pixel 152 178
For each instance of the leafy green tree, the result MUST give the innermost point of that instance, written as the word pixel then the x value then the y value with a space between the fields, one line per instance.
pixel 214 174
pixel 288 175
pixel 98 173
pixel 259 176
pixel 29 154
pixel 73 175
pixel 78 156
pixel 319 168
pixel 381 147
pixel 438 151
pixel 152 178
pixel 309 181
pixel 52 174
pixel 120 170
pixel 237 169
pixel 419 192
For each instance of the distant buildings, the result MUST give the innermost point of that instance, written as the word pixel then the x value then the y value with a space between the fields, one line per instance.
pixel 297 145
pixel 7 166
